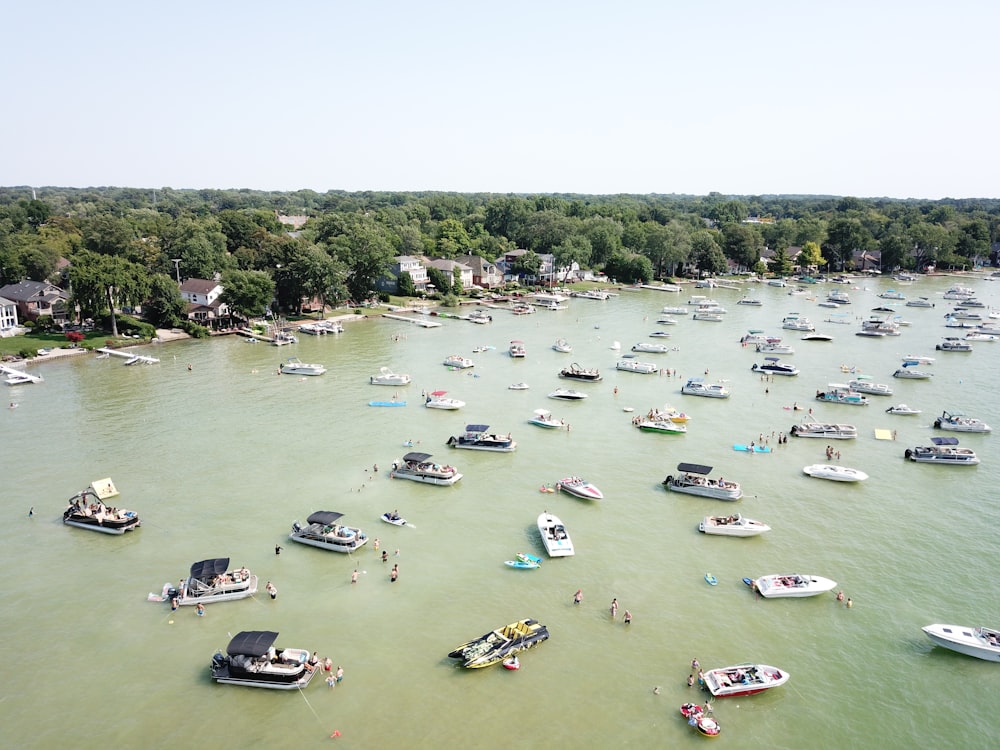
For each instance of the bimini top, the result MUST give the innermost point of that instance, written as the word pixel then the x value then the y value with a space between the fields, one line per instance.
pixel 325 517
pixel 694 468
pixel 206 570
pixel 251 643
pixel 416 457
pixel 476 427
pixel 944 441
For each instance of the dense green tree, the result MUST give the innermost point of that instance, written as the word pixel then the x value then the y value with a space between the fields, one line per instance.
pixel 442 282
pixel 320 276
pixel 706 254
pixel 845 237
pixel 452 239
pixel 164 307
pixel 37 212
pixel 365 248
pixel 574 249
pixel 728 212
pixel 667 247
pixel 405 286
pixel 528 264
pixel 102 282
pixel 605 237
pixel 629 268
pixel 781 264
pixel 811 256
pixel 247 293
pixel 741 244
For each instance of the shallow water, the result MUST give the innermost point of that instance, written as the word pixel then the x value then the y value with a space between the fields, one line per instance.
pixel 220 459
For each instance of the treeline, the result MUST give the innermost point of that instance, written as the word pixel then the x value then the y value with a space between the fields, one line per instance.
pixel 127 246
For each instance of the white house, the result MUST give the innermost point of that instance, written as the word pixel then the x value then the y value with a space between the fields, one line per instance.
pixel 8 317
pixel 204 306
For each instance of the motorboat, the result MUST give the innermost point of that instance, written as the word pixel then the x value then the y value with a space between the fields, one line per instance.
pixel 775 347
pixel 458 362
pixel 796 322
pixel 562 346
pixel 660 334
pixel 503 643
pixel 516 349
pixel 891 294
pixel 879 326
pixel 393 517
pixel 817 337
pixel 477 437
pixel 388 377
pixel 323 530
pixel 774 366
pixel 743 679
pixel 554 536
pixel 908 371
pixel 698 387
pixel 575 372
pixel 628 363
pixel 419 468
pixel 281 338
pixel 671 413
pixel 518 386
pixel 696 716
pixel 663 426
pixel 579 487
pixel 544 418
pixel 734 525
pixel 295 366
pixel 521 308
pixel 790 586
pixel 980 336
pixel 919 302
pixel 982 643
pixel 756 337
pixel 918 359
pixel 546 297
pixel 960 423
pixel 959 292
pixel 838 298
pixel 825 430
pixel 752 301
pixel 650 348
pixel 835 473
pixel 674 310
pixel 709 316
pixel 88 509
pixel 549 305
pixel 692 479
pixel 211 581
pixel 480 317
pixel 841 394
pixel 438 400
pixel 902 410
pixel 944 450
pixel 595 294
pixel 952 344
pixel 862 384
pixel 777 282
pixel 567 394
pixel 252 660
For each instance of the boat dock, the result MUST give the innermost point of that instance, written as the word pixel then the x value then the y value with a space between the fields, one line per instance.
pixel 16 376
pixel 131 358
pixel 418 321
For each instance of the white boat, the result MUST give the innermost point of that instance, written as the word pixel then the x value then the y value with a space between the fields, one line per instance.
pixel 707 316
pixel 519 308
pixel 980 336
pixel 840 393
pixel 791 585
pixel 629 364
pixel 89 510
pixel 518 387
pixel 917 359
pixel 982 643
pixel 838 298
pixel 595 294
pixel 674 310
pixel 547 297
pixel 211 581
pixel 665 321
pixel 960 423
pixel 544 418
pixel 743 679
pixel 774 366
pixel 796 322
pixel 753 301
pixel 575 372
pixel 835 473
pixel 919 302
pixel 650 348
pixel 662 426
pixel 959 292
pixel 825 430
pixel 902 410
pixel 388 377
pixel 458 362
pixel 891 294
pixel 698 387
pixel 418 468
pixel 281 338
pixel 567 394
pixel 660 334
pixel 734 525
pixel 323 531
pixel 863 385
pixel 295 366
pixel 394 518
pixel 480 317
pixel 562 345
pixel 952 344
pixel 580 488
pixel 554 536
pixel 516 349
pixel 945 451
pixel 692 479
pixel 777 282
pixel 477 437
pixel 907 371
pixel 775 347
pixel 251 660
pixel 438 400
pixel 549 305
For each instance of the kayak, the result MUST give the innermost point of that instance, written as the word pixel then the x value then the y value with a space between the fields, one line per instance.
pixel 712 580
pixel 521 564
pixel 525 557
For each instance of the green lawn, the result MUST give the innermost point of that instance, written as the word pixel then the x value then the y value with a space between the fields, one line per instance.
pixel 32 342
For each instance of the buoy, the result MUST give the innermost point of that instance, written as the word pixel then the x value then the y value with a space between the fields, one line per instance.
pixel 336 733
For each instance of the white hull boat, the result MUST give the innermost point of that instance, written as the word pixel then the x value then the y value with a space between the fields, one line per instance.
pixel 477 437
pixel 295 366
pixel 960 423
pixel 388 377
pixel 944 451
pixel 735 525
pixel 567 394
pixel 874 389
pixel 580 488
pixel 791 586
pixel 418 468
pixel 773 366
pixel 438 400
pixel 743 679
pixel 629 364
pixel 251 660
pixel 902 410
pixel 692 479
pixel 211 581
pixel 323 530
pixel 982 643
pixel 458 362
pixel 824 430
pixel 650 348
pixel 554 536
pixel 698 387
pixel 562 346
pixel 835 473
pixel 544 418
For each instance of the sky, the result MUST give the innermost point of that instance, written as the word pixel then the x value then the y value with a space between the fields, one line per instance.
pixel 871 99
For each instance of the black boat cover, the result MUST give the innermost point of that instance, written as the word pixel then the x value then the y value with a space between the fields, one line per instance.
pixel 251 643
pixel 206 570
pixel 476 427
pixel 694 468
pixel 416 457
pixel 944 441
pixel 324 517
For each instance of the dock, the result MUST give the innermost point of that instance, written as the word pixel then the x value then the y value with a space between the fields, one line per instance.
pixel 16 376
pixel 418 321
pixel 131 358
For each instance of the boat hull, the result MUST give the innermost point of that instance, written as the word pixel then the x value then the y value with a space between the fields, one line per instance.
pixel 773 586
pixel 711 491
pixel 965 640
pixel 108 528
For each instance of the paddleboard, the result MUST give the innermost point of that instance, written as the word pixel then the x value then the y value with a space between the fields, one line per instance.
pixel 756 448
pixel 528 558
pixel 521 564
pixel 748 582
pixel 712 580
pixel 387 403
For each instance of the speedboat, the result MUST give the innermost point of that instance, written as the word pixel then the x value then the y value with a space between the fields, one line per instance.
pixel 917 359
pixel 394 518
pixel 960 423
pixel 891 294
pixel 388 377
pixel 502 643
pixel 554 536
pixel 252 660
pixel 795 322
pixel 692 479
pixel 862 384
pixel 516 349
pixel 980 336
pixel 575 372
pixel 710 316
pixel 580 488
pixel 790 586
pixel 908 372
pixel 323 531
pixel 669 412
pixel 734 525
pixel 919 302
pixel 841 394
pixel 696 717
pixel 88 509
pixel 458 362
pixel 824 430
pixel 437 400
pixel 943 451
pixel 982 643
pixel 665 426
pixel 596 294
pixel 518 386
pixel 698 387
pixel 774 366
pixel 544 418
pixel 835 473
pixel 902 410
pixel 521 308
pixel 838 298
pixel 753 301
pixel 743 679
pixel 775 347
pixel 817 337
pixel 660 334
pixel 650 348
pixel 562 345
pixel 567 394
pixel 212 581
pixel 674 310
pixel 417 467
pixel 952 344
pixel 478 438
pixel 628 363
pixel 295 366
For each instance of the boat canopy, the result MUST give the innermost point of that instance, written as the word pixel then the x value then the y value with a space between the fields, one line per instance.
pixel 694 468
pixel 770 359
pixel 542 412
pixel 476 427
pixel 251 643
pixel 325 517
pixel 416 457
pixel 944 441
pixel 206 570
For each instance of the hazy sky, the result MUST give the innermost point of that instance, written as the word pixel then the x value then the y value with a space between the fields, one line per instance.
pixel 875 98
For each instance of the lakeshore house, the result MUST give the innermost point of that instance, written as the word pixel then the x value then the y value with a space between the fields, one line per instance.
pixel 8 318
pixel 485 274
pixel 204 306
pixel 34 299
pixel 448 267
